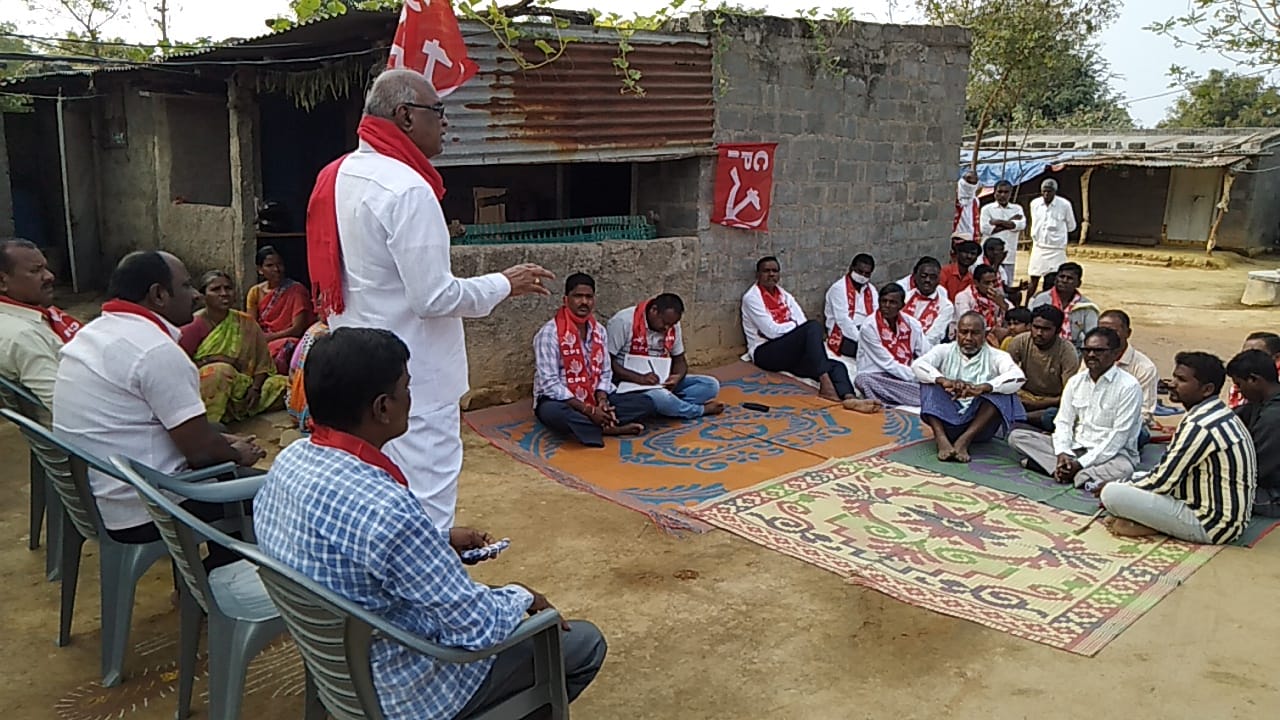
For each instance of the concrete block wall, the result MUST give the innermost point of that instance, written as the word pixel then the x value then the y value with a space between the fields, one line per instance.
pixel 865 160
pixel 1252 222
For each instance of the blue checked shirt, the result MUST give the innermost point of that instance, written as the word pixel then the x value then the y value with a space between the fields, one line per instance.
pixel 350 527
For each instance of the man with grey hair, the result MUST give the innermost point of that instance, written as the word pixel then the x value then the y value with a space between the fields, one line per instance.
pixel 1052 218
pixel 378 250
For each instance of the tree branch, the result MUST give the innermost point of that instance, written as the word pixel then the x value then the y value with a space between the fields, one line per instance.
pixel 527 8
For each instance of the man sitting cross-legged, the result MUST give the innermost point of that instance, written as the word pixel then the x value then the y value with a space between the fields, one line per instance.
pixel 337 509
pixel 927 301
pixel 1203 488
pixel 1095 437
pixel 780 339
pixel 1048 361
pixel 573 391
pixel 652 330
pixel 890 341
pixel 1137 364
pixel 1254 373
pixel 851 301
pixel 968 390
pixel 1267 342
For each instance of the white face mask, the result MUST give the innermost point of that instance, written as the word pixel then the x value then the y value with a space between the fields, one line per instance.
pixel 859 279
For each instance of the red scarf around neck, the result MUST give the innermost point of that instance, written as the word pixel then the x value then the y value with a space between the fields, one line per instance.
pixel 581 373
pixel 124 307
pixel 851 294
pixel 324 249
pixel 922 308
pixel 62 324
pixel 896 340
pixel 363 450
pixel 1066 311
pixel 775 304
pixel 640 333
pixel 991 311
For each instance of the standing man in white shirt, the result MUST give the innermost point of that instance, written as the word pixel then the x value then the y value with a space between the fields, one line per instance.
pixel 378 249
pixel 851 301
pixel 927 301
pixel 780 339
pixel 1052 218
pixel 125 387
pixel 1095 437
pixel 1004 219
pixel 966 223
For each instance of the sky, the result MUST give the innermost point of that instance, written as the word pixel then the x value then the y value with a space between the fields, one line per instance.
pixel 1139 59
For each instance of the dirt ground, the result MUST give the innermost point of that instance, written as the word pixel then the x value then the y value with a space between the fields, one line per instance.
pixel 754 634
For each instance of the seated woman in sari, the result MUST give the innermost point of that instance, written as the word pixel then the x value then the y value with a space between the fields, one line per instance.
pixel 237 375
pixel 281 305
pixel 296 398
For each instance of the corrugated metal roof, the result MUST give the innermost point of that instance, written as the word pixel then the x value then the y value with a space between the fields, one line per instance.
pixel 1158 160
pixel 1170 141
pixel 574 108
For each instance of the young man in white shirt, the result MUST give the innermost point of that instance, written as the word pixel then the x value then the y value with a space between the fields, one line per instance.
pixel 969 390
pixel 851 301
pixel 1052 219
pixel 652 329
pixel 125 387
pixel 1005 220
pixel 378 251
pixel 1137 364
pixel 890 341
pixel 1095 437
pixel 927 301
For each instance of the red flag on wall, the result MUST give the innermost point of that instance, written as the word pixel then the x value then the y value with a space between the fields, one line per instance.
pixel 744 186
pixel 429 40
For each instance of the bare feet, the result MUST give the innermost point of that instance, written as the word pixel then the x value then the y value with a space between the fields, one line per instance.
pixel 712 408
pixel 946 453
pixel 826 390
pixel 1123 527
pixel 862 406
pixel 962 453
pixel 628 429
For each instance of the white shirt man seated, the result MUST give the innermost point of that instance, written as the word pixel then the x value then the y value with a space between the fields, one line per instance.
pixel 125 387
pixel 652 329
pixel 927 301
pixel 1095 438
pixel 850 303
pixel 32 330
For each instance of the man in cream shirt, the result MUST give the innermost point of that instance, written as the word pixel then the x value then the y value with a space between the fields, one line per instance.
pixel 395 274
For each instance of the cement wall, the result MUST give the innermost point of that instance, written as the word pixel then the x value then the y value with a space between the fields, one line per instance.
pixel 865 159
pixel 1252 222
pixel 500 347
pixel 127 176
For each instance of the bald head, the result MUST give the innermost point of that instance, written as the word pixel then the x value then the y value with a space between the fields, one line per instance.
pixel 407 99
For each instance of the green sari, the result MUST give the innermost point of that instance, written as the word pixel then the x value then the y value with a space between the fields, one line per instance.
pixel 229 356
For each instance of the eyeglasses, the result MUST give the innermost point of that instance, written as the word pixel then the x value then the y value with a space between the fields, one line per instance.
pixel 1094 351
pixel 438 108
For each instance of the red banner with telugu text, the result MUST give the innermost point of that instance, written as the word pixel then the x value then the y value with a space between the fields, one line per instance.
pixel 429 40
pixel 744 185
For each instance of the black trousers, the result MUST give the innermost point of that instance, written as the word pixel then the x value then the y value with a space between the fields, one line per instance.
pixel 562 419
pixel 209 512
pixel 583 649
pixel 803 353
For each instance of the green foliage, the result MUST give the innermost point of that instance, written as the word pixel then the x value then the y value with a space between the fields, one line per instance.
pixel 1245 31
pixel 1032 61
pixel 1225 99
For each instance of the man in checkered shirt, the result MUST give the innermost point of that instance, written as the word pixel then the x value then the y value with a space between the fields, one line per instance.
pixel 338 510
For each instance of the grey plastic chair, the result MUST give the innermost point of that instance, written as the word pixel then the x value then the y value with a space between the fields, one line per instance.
pixel 334 636
pixel 46 508
pixel 242 619
pixel 122 564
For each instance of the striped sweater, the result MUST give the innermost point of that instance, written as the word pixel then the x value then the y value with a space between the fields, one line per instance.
pixel 1211 465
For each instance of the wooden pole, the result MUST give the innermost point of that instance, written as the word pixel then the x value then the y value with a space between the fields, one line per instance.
pixel 1228 179
pixel 1084 202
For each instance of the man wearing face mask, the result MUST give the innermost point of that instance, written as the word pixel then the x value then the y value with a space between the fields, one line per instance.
pixel 968 390
pixel 850 302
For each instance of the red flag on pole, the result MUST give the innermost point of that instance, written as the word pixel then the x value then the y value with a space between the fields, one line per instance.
pixel 429 40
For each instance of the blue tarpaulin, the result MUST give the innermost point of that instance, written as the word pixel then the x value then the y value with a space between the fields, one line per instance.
pixel 1016 166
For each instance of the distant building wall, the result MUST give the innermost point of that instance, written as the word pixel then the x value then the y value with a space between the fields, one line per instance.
pixel 1252 222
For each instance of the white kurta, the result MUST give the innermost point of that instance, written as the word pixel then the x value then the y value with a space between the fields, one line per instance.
pixel 936 331
pixel 874 357
pixel 758 325
pixel 396 276
pixel 1012 213
pixel 1049 228
pixel 837 309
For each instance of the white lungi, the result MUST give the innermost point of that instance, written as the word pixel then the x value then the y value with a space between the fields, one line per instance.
pixel 1045 260
pixel 430 454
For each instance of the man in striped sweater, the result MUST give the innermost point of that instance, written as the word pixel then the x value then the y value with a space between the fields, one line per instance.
pixel 1202 490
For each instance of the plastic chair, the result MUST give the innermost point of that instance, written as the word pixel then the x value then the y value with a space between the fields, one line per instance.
pixel 242 619
pixel 334 636
pixel 46 508
pixel 121 564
